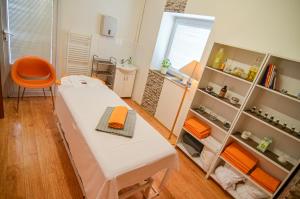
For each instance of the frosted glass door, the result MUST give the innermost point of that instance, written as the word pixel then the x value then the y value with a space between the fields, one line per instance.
pixel 30 23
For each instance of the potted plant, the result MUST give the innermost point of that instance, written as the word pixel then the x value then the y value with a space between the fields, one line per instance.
pixel 165 66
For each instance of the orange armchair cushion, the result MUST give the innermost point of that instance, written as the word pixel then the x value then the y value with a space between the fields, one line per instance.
pixel 33 72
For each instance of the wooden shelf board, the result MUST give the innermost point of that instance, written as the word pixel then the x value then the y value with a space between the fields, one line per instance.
pixel 248 177
pixel 225 101
pixel 229 75
pixel 278 93
pixel 285 132
pixel 268 155
pixel 196 160
pixel 106 73
pixel 205 116
pixel 204 141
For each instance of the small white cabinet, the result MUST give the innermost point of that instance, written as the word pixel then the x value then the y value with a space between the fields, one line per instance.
pixel 168 103
pixel 124 81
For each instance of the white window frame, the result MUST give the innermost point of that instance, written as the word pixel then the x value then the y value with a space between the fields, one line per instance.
pixel 203 23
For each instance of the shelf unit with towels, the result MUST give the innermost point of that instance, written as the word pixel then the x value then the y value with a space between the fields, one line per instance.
pixel 284 106
pixel 274 105
pixel 219 110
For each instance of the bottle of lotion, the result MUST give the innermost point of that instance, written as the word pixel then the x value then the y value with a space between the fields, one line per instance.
pixel 223 92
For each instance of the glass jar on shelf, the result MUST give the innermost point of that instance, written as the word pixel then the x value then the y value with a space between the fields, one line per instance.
pixel 252 73
pixel 218 62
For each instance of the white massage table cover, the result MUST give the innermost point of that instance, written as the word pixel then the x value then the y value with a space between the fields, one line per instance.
pixel 107 163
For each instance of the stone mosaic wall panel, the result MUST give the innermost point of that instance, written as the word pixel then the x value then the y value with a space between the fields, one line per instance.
pixel 175 6
pixel 152 92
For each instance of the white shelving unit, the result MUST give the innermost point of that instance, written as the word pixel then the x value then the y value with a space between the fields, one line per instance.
pixel 284 107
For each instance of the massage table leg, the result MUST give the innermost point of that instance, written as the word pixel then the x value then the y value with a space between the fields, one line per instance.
pixel 141 187
pixel 146 193
pixel 157 190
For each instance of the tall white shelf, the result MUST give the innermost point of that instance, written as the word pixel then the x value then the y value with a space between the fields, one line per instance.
pixel 281 106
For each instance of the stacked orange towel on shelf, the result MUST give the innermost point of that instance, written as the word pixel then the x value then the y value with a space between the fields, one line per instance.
pixel 265 180
pixel 118 117
pixel 239 157
pixel 197 128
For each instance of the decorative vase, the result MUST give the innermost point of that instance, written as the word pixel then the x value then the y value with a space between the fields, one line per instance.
pixel 163 70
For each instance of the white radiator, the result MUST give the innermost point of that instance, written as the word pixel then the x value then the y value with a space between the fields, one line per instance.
pixel 78 54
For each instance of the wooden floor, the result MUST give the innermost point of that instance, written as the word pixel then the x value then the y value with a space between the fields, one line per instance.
pixel 35 165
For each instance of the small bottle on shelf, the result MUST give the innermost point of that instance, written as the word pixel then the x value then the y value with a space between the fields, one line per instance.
pixel 223 92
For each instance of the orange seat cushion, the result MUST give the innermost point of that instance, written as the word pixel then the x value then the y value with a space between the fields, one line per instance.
pixel 33 72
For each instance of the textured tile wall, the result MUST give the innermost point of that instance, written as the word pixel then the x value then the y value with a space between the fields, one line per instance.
pixel 175 6
pixel 152 92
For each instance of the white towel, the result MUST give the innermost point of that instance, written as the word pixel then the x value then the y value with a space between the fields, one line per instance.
pixel 206 158
pixel 81 81
pixel 249 191
pixel 227 177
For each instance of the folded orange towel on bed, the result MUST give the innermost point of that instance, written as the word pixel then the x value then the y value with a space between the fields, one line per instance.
pixel 264 179
pixel 118 117
pixel 239 157
pixel 197 128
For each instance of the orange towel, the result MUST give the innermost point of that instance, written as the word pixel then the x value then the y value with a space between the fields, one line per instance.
pixel 239 157
pixel 118 117
pixel 264 179
pixel 236 163
pixel 200 135
pixel 197 128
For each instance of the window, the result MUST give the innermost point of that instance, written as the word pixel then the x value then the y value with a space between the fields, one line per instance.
pixel 31 24
pixel 187 41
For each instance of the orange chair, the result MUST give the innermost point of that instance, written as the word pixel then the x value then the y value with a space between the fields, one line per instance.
pixel 33 72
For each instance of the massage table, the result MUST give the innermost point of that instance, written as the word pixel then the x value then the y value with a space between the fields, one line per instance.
pixel 106 163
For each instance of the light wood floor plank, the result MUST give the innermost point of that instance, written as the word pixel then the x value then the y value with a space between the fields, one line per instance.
pixel 35 165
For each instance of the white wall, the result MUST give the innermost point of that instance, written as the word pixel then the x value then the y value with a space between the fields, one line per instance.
pixel 262 25
pixel 146 43
pixel 84 16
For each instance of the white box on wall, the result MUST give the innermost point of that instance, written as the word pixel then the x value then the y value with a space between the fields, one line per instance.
pixel 108 26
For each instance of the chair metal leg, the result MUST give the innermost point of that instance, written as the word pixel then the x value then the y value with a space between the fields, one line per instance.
pixel 44 92
pixel 23 92
pixel 52 96
pixel 18 99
